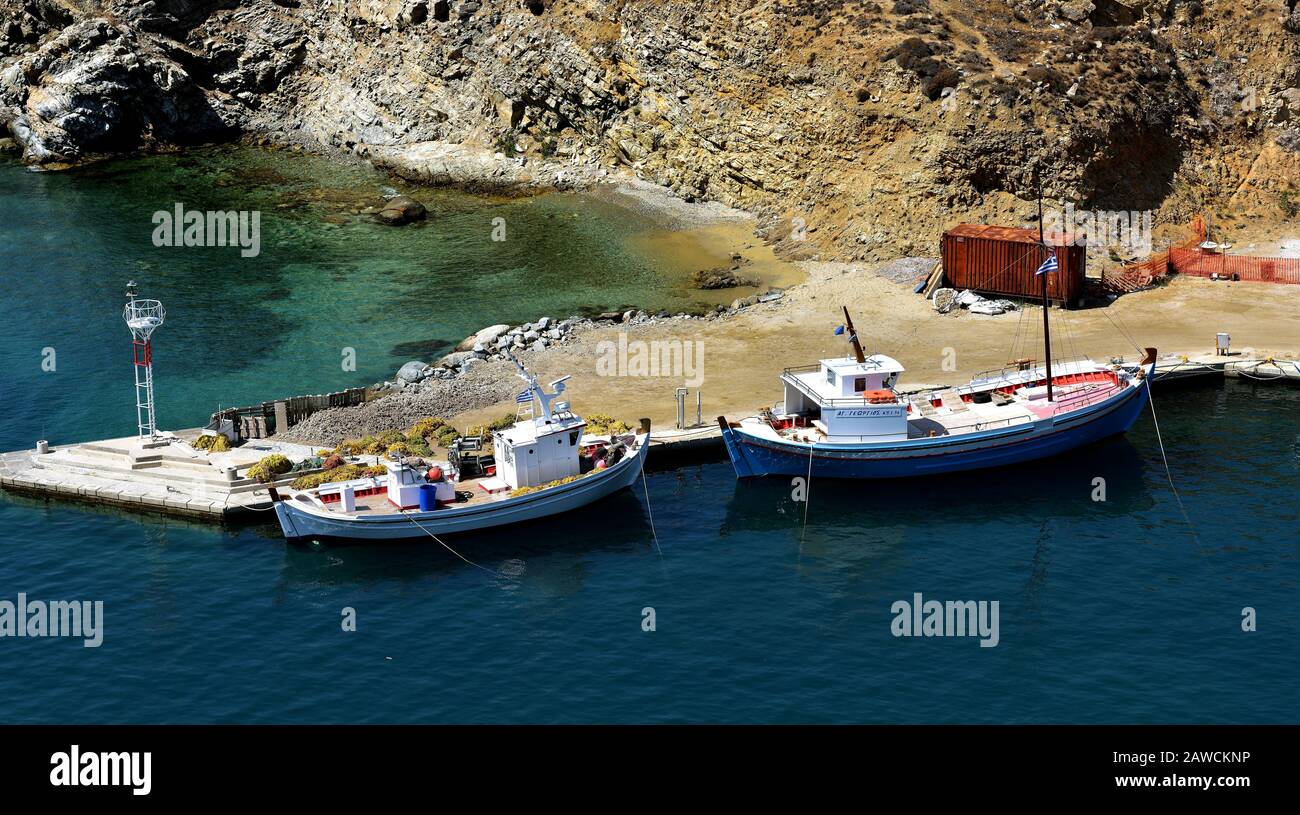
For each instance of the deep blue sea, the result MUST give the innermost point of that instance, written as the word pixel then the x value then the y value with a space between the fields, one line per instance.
pixel 1110 611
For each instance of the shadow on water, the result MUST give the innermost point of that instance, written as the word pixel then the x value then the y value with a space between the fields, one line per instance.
pixel 1059 487
pixel 615 525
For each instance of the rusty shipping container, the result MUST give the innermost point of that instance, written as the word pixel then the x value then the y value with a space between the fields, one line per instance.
pixel 1001 261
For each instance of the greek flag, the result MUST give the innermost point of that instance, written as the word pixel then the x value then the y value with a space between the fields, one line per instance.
pixel 1048 266
pixel 524 398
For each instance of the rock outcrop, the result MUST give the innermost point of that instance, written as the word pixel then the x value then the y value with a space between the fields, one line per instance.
pixel 400 210
pixel 856 129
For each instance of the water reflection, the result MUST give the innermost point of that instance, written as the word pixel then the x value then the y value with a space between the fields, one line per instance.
pixel 548 554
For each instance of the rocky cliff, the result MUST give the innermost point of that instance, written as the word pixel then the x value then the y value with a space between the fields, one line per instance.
pixel 856 129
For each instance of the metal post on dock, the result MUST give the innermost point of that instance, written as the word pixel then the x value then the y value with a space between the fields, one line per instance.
pixel 680 396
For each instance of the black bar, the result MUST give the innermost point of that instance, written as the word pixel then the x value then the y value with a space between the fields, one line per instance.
pixel 307 764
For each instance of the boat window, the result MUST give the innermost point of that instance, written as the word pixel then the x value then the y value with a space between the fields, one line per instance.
pixel 573 438
pixel 830 376
pixel 859 384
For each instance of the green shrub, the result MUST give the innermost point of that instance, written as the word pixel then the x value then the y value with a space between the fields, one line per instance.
pixel 505 143
pixel 350 447
pixel 426 426
pixel 505 421
pixel 269 467
pixel 420 448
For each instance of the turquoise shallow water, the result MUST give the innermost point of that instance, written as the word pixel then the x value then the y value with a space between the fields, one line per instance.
pixel 243 330
pixel 1110 611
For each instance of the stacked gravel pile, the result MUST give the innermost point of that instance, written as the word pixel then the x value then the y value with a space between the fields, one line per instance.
pixel 398 411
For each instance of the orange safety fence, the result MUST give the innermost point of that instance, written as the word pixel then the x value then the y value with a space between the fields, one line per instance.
pixel 1235 267
pixel 1190 259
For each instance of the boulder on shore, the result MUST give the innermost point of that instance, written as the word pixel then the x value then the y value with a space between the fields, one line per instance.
pixel 709 279
pixel 412 371
pixel 401 210
pixel 485 337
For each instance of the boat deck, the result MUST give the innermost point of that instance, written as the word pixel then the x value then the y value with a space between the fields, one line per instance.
pixel 378 503
pixel 955 416
pixel 480 491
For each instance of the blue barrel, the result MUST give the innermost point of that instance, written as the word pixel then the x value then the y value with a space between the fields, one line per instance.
pixel 428 497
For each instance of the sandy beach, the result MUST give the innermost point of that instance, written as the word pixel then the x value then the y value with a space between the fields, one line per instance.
pixel 743 354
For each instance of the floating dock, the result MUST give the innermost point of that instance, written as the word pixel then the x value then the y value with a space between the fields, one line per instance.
pixel 168 476
pixel 1235 365
pixel 1265 370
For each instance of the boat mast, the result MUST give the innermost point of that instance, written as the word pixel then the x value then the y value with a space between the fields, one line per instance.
pixel 1047 330
pixel 853 336
pixel 539 393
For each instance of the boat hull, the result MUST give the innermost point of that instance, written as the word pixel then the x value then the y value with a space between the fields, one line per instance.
pixel 301 521
pixel 752 455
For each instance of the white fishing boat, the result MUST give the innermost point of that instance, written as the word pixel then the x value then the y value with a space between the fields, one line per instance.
pixel 543 466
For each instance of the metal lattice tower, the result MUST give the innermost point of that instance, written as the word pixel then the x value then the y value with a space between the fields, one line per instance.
pixel 142 317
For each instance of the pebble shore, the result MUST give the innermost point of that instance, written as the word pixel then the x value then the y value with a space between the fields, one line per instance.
pixel 476 375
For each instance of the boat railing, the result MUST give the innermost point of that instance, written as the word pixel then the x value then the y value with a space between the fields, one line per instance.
pixel 801 369
pixel 1015 373
pixel 987 424
pixel 835 401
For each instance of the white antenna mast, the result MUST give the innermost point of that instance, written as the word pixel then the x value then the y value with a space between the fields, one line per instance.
pixel 542 396
pixel 142 317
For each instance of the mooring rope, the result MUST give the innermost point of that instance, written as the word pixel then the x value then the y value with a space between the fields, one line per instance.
pixel 1168 474
pixel 492 572
pixel 1281 374
pixel 650 513
pixel 807 497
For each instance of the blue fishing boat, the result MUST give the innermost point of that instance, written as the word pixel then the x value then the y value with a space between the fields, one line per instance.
pixel 847 418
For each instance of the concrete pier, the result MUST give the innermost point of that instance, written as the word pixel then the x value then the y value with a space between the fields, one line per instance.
pixel 164 475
